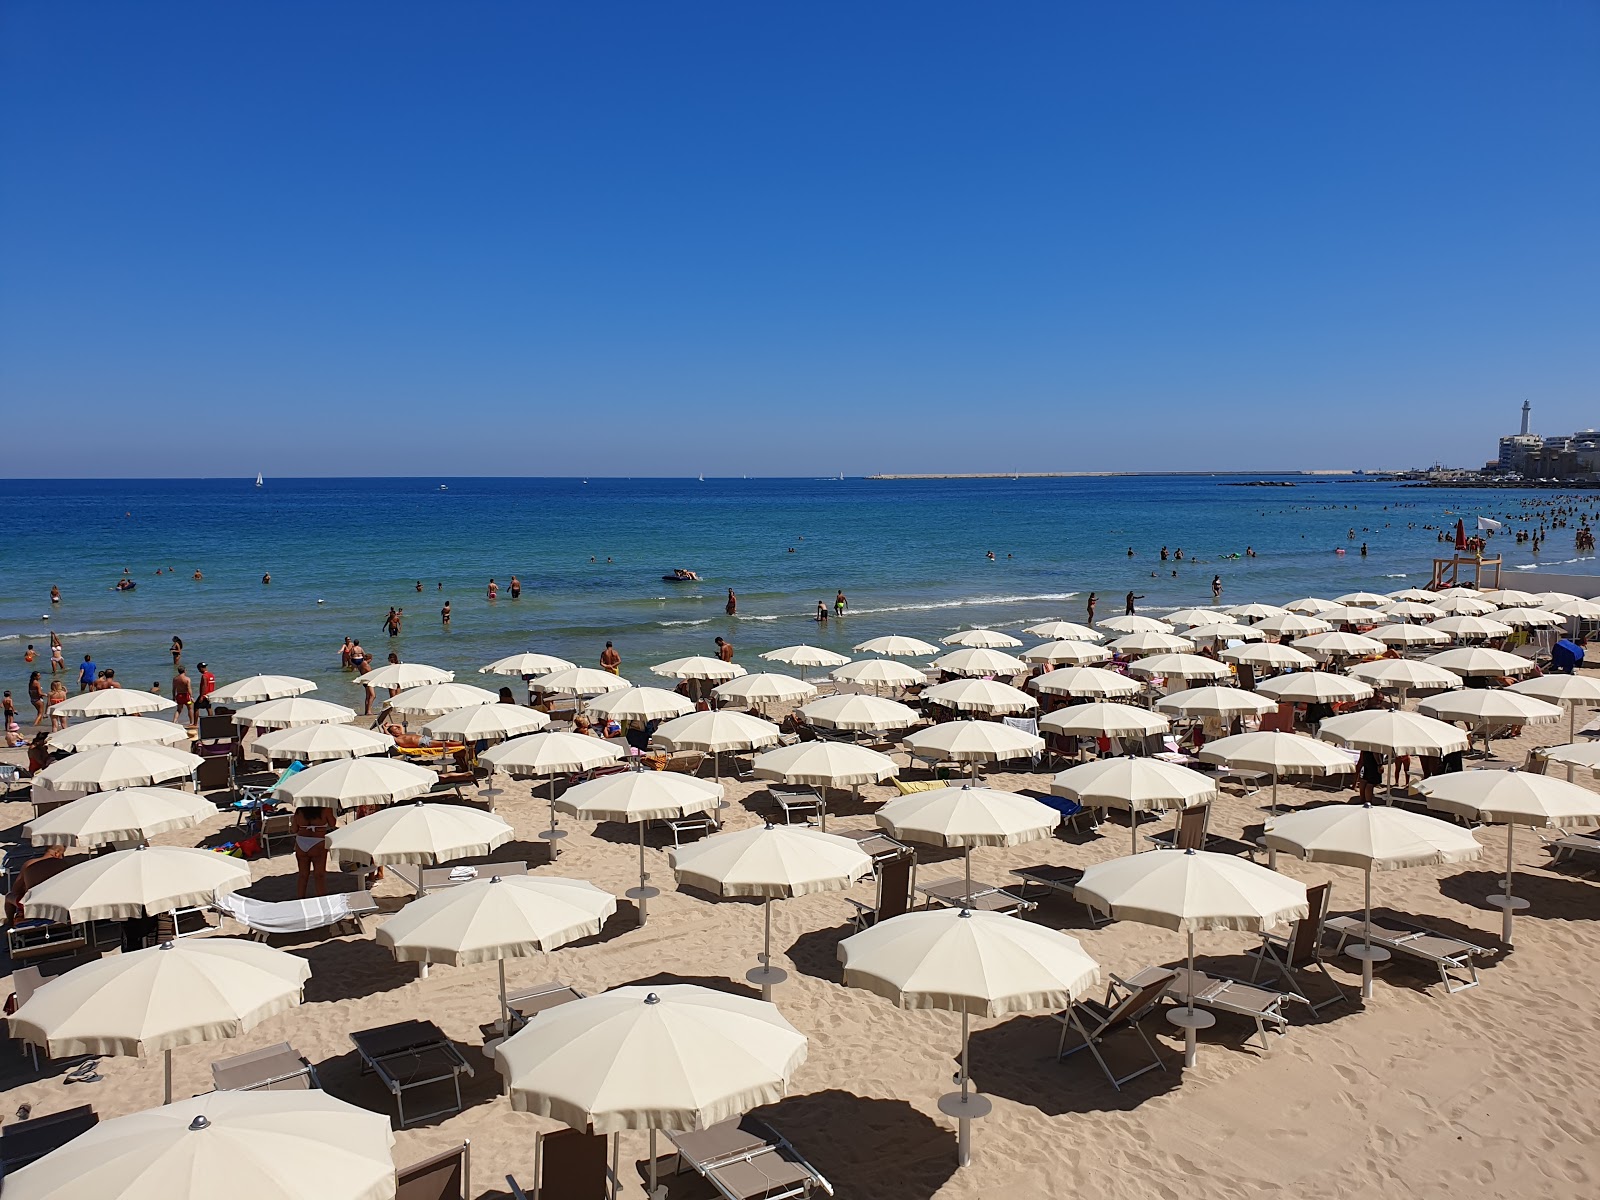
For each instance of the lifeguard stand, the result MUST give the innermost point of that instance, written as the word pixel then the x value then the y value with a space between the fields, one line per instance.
pixel 1447 572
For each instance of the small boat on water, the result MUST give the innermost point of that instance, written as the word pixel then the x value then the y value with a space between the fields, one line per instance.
pixel 681 576
pixel 258 478
pixel 124 585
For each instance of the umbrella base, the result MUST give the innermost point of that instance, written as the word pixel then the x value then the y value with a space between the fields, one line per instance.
pixel 1191 1021
pixel 1502 901
pixel 766 978
pixel 970 1107
pixel 1368 956
pixel 642 893
pixel 552 835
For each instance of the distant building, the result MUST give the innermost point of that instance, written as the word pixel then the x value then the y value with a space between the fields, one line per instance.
pixel 1573 456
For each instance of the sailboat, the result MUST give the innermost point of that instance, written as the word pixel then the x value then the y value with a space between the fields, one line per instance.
pixel 258 478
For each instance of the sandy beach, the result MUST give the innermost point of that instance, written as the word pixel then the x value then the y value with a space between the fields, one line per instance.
pixel 1418 1092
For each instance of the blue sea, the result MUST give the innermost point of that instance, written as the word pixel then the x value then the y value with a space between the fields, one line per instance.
pixel 910 555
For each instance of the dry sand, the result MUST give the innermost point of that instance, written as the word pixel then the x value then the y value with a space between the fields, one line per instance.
pixel 1489 1092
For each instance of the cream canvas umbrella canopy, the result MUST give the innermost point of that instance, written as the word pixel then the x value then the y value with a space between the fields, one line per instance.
pixel 639 797
pixel 973 742
pixel 176 994
pixel 1192 618
pixel 1309 605
pixel 982 638
pixel 1450 593
pixel 257 688
pixel 1062 631
pixel 580 681
pixel 1069 653
pixel 1412 610
pixel 1351 614
pixel 1512 798
pixel 1409 635
pixel 546 756
pixel 896 646
pixel 1181 666
pixel 1229 632
pixel 1150 642
pixel 1587 609
pixel 436 699
pixel 1293 624
pixel 987 696
pixel 1254 612
pixel 965 817
pixel 669 1056
pixel 1383 731
pixel 134 883
pixel 1527 618
pixel 771 862
pixel 977 661
pixel 716 733
pixel 640 704
pixel 485 723
pixel 112 702
pixel 1215 702
pixel 1512 598
pixel 1276 754
pixel 1189 890
pixel 1411 593
pixel 1362 599
pixel 1479 660
pixel 1571 690
pixel 1465 628
pixel 117 731
pixel 403 675
pixel 763 688
pixel 347 783
pixel 879 672
pixel 1104 719
pixel 1314 687
pixel 1405 674
pixel 1339 645
pixel 824 765
pixel 860 713
pixel 290 712
pixel 968 962
pixel 1085 681
pixel 1134 785
pixel 420 833
pixel 527 665
pixel 699 666
pixel 1464 605
pixel 1484 708
pixel 320 743
pixel 1273 656
pixel 1133 623
pixel 804 656
pixel 262 1145
pixel 1370 839
pixel 116 767
pixel 510 916
pixel 1549 600
pixel 119 817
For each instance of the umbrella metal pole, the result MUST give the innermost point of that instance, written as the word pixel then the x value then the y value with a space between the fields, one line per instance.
pixel 505 1009
pixel 652 1162
pixel 553 835
pixel 966 1105
pixel 1508 904
pixel 1189 1018
pixel 966 859
pixel 1133 830
pixel 767 976
pixel 1367 952
pixel 168 1100
pixel 644 888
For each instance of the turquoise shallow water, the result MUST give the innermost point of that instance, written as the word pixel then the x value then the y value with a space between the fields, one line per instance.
pixel 910 555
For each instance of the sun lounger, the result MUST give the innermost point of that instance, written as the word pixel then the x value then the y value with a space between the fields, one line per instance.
pixel 1219 994
pixel 23 1142
pixel 747 1159
pixel 1057 880
pixel 529 1003
pixel 423 880
pixel 876 844
pixel 1451 957
pixel 1301 951
pixel 264 918
pixel 1123 1008
pixel 896 879
pixel 12 776
pixel 1579 850
pixel 36 938
pixel 691 824
pixel 569 1164
pixel 1190 833
pixel 801 800
pixel 279 1068
pixel 443 1176
pixel 408 1055
pixel 985 897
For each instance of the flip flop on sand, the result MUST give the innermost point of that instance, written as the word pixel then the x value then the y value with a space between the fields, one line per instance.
pixel 90 1078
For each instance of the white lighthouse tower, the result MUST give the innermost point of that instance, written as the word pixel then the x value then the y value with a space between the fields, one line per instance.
pixel 1527 416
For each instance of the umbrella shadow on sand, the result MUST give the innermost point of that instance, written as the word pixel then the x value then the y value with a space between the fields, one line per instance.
pixel 885 1149
pixel 1419 976
pixel 716 983
pixel 349 968
pixel 817 953
pixel 1550 897
pixel 341 1077
pixel 1017 1059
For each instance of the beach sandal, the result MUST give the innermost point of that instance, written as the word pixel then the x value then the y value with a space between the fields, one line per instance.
pixel 90 1078
pixel 86 1067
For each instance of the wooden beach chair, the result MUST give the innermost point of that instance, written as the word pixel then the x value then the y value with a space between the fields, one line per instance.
pixel 1454 959
pixel 747 1159
pixel 1124 1007
pixel 569 1164
pixel 1301 951
pixel 279 1068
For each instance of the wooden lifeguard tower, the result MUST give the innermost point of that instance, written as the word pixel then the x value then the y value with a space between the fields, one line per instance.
pixel 1449 572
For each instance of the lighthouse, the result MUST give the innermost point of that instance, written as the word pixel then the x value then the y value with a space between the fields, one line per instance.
pixel 1527 416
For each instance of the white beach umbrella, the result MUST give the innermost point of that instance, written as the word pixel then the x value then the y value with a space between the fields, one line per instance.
pixel 261 1145
pixel 1412 610
pixel 1191 618
pixel 1103 720
pixel 1270 656
pixel 1254 612
pixel 968 962
pixel 420 833
pixel 1070 653
pixel 176 994
pixel 403 675
pixel 1293 624
pixel 485 723
pixel 1527 618
pixel 987 696
pixel 436 699
pixel 1314 687
pixel 879 672
pixel 504 916
pixel 825 765
pixel 972 742
pixel 1150 642
pixel 715 732
pixel 1362 599
pixel 1411 593
pixel 1405 674
pixel 964 817
pixel 771 862
pixel 1588 610
pixel 579 681
pixel 1577 754
pixel 1181 666
pixel 1062 631
pixel 257 688
pixel 699 666
pixel 1134 785
pixel 527 665
pixel 978 662
pixel 1571 690
pixel 1462 605
pixel 1483 708
pixel 1370 839
pixel 894 645
pixel 1512 798
pixel 637 798
pixel 320 743
pixel 134 883
pixel 1190 890
pixel 1463 628
pixel 765 688
pixel 1480 660
pixel 1401 634
pixel 1384 731
pixel 347 783
pixel 546 756
pixel 858 712
pixel 1550 599
pixel 1085 681
pixel 291 712
pixel 117 731
pixel 116 767
pixel 1512 598
pixel 1229 632
pixel 982 639
pixel 120 817
pixel 1134 623
pixel 112 702
pixel 1277 754
pixel 806 656
pixel 640 704
pixel 1222 702
pixel 1309 605
pixel 1353 615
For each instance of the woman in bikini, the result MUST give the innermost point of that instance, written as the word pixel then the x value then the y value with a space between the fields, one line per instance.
pixel 311 828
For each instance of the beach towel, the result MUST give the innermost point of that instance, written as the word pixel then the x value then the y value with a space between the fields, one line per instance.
pixel 284 916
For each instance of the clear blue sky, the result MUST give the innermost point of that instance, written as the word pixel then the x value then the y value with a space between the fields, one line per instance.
pixel 648 238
